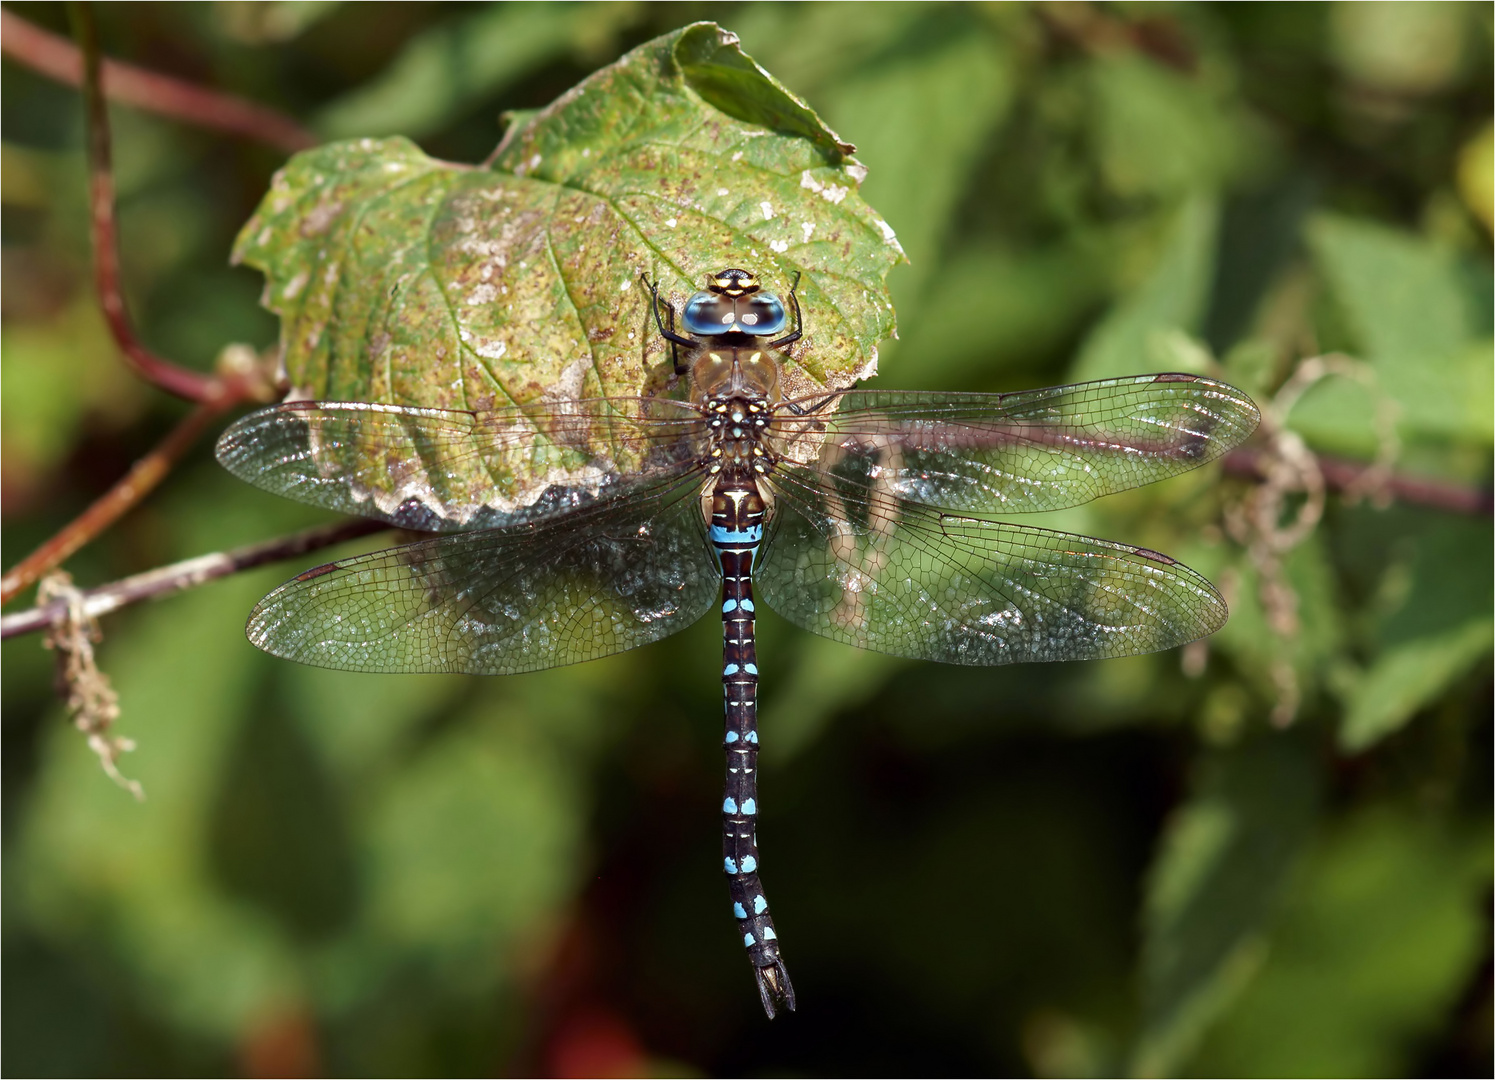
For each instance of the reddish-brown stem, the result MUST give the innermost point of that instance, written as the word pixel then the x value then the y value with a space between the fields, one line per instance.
pixel 1340 475
pixel 186 574
pixel 57 58
pixel 182 382
pixel 107 509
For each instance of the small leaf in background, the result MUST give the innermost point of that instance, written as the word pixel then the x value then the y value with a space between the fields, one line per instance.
pixel 1421 314
pixel 260 22
pixel 1173 297
pixel 1477 175
pixel 986 310
pixel 278 834
pixel 470 849
pixel 358 722
pixel 1408 676
pixel 452 66
pixel 826 677
pixel 1380 934
pixel 39 418
pixel 1161 133
pixel 1214 887
pixel 923 116
pixel 1400 47
pixel 1431 635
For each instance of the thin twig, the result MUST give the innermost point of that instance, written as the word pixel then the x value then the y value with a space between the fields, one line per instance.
pixel 59 59
pixel 186 574
pixel 1342 475
pixel 109 507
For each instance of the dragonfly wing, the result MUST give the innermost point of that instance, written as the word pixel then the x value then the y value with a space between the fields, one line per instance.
pixel 897 577
pixel 1020 452
pixel 438 469
pixel 602 579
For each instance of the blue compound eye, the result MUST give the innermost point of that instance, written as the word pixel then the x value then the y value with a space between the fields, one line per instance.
pixel 708 313
pixel 761 314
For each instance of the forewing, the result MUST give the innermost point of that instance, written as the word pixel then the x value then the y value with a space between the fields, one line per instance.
pixel 1020 452
pixel 602 579
pixel 897 577
pixel 439 470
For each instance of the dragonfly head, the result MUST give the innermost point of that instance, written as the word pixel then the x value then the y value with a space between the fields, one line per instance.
pixel 733 304
pixel 733 282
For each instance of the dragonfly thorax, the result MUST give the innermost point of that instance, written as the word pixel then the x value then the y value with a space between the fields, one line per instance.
pixel 738 425
pixel 724 370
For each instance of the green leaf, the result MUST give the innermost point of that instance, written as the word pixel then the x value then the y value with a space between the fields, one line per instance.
pixel 1381 934
pixel 987 309
pixel 278 833
pixel 1214 887
pixel 358 722
pixel 1421 315
pixel 471 846
pixel 923 118
pixel 1159 132
pixel 404 279
pixel 454 65
pixel 1134 336
pixel 59 377
pixel 1434 627
pixel 1408 677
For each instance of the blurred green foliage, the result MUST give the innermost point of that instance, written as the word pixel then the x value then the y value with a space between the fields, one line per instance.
pixel 1268 857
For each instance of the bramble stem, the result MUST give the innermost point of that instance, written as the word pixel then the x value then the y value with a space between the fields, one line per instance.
pixel 186 575
pixel 57 58
pixel 109 507
pixel 179 381
pixel 1340 475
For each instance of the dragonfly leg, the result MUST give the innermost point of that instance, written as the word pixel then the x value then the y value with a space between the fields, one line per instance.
pixel 791 338
pixel 669 335
pixel 805 410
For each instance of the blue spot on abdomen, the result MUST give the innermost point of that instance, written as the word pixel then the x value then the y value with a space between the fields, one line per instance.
pixel 749 537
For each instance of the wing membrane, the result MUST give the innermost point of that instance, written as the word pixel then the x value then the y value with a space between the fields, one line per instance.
pixel 599 580
pixel 1028 451
pixel 898 577
pixel 438 470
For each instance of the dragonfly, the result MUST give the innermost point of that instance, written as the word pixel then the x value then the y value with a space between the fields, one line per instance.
pixel 868 517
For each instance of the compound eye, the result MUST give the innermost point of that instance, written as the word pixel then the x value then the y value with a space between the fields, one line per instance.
pixel 761 315
pixel 707 313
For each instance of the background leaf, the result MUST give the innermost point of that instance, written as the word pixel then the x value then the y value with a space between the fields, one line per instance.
pixel 1214 889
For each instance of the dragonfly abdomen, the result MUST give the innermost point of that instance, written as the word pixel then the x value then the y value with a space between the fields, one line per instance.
pixel 737 515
